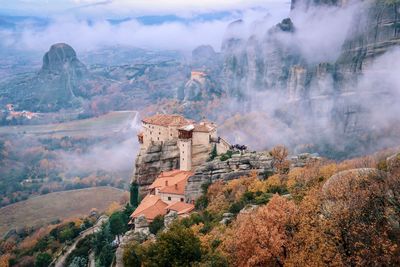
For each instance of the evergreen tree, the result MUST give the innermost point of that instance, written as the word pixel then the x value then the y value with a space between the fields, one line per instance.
pixel 43 260
pixel 117 224
pixel 134 190
pixel 213 153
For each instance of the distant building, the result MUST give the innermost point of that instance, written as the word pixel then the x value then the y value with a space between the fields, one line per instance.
pixel 167 193
pixel 188 133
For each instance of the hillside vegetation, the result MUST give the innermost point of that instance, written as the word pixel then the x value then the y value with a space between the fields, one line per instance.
pixel 323 214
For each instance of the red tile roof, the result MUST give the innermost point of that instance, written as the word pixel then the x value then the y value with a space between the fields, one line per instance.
pixel 180 207
pixel 170 179
pixel 150 207
pixel 167 120
pixel 176 188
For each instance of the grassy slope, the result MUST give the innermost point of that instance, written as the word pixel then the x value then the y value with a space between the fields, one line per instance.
pixel 60 205
pixel 106 124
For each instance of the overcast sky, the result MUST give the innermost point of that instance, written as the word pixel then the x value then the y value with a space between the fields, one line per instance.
pixel 153 24
pixel 116 8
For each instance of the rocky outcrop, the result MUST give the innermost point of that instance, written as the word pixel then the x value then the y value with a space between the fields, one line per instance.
pixel 233 168
pixel 333 98
pixel 142 226
pixel 61 81
pixel 129 237
pixel 227 218
pixel 303 159
pixel 170 218
pixel 159 157
pixel 62 57
pixel 200 87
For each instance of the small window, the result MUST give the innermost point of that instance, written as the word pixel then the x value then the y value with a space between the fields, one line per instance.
pixel 159 133
pixel 182 199
pixel 183 152
pixel 158 138
pixel 169 198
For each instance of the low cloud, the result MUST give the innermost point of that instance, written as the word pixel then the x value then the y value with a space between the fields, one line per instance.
pixel 88 34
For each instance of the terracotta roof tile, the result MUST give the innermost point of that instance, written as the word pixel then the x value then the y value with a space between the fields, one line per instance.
pixel 150 207
pixel 170 178
pixel 176 188
pixel 180 207
pixel 167 120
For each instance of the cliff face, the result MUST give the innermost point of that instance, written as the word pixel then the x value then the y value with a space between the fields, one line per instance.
pixel 59 83
pixel 332 96
pixel 156 159
pixel 237 166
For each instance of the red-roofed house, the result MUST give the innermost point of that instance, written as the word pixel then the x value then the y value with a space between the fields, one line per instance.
pixel 167 193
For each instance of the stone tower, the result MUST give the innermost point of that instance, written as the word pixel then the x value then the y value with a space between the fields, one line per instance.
pixel 185 147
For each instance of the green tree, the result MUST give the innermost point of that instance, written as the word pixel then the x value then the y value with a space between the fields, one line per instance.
pixel 117 224
pixel 213 153
pixel 102 246
pixel 157 224
pixel 134 190
pixel 132 257
pixel 179 246
pixel 43 260
pixel 78 262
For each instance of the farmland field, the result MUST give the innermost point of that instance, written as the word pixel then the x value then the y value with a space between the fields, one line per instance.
pixel 44 209
pixel 103 125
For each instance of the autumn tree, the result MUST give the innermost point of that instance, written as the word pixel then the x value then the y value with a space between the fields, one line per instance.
pixel 279 159
pixel 261 238
pixel 349 222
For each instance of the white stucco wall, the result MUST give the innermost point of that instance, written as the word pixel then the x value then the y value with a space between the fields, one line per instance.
pixel 171 198
pixel 185 151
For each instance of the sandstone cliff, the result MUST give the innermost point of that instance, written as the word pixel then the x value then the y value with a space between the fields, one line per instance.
pixel 233 168
pixel 151 162
pixel 332 96
pixel 161 157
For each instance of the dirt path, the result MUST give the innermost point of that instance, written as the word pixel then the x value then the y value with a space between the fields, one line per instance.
pixel 61 260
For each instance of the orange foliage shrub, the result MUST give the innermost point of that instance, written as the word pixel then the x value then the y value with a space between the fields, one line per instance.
pixel 4 259
pixel 347 223
pixel 261 238
pixel 279 159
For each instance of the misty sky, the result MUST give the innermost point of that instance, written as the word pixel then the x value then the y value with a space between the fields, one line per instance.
pixel 116 8
pixel 154 24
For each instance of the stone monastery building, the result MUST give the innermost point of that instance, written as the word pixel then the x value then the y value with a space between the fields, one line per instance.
pixel 164 127
pixel 167 192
